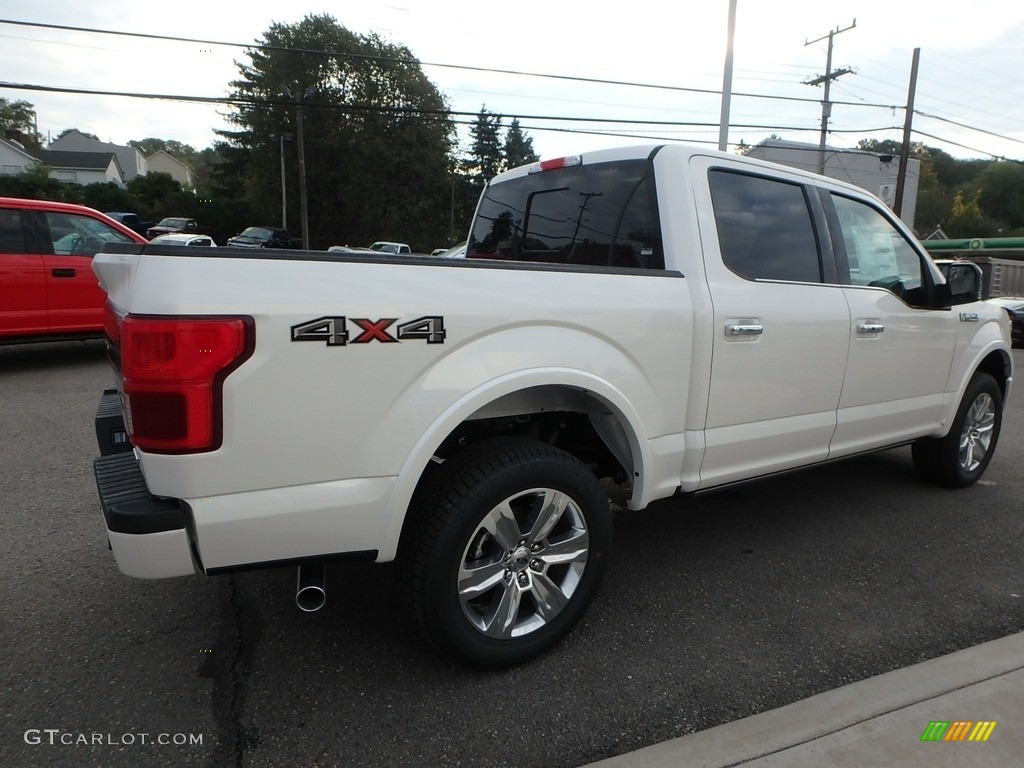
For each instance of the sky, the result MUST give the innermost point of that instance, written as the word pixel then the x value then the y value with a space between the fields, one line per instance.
pixel 969 99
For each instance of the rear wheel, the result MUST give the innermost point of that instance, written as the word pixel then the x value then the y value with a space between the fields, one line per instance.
pixel 510 551
pixel 960 458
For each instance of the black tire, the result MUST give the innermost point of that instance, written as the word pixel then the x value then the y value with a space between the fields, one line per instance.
pixel 525 528
pixel 960 458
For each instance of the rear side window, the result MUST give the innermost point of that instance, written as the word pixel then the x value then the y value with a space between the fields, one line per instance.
pixel 765 229
pixel 604 214
pixel 12 233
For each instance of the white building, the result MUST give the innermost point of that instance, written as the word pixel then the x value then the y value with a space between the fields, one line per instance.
pixel 131 161
pixel 867 170
pixel 14 158
pixel 161 162
pixel 81 167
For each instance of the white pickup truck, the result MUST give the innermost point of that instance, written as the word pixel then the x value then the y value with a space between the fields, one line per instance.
pixel 673 319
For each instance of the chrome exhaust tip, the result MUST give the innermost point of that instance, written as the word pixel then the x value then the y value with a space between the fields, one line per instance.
pixel 310 588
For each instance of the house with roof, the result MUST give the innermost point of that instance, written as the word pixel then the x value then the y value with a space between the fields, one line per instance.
pixel 161 162
pixel 80 167
pixel 130 160
pixel 14 158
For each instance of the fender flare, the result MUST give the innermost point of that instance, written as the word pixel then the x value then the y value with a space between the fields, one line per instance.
pixel 481 396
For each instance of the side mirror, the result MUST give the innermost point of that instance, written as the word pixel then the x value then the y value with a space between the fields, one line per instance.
pixel 964 281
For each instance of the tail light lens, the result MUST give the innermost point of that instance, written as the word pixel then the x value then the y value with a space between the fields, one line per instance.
pixel 173 370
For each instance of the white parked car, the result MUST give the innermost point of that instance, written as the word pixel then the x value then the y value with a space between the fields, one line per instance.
pixel 385 246
pixel 181 238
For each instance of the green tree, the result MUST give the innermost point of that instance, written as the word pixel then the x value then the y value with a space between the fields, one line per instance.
pixel 1001 193
pixel 87 135
pixel 485 153
pixel 19 116
pixel 376 133
pixel 934 200
pixel 518 148
pixel 34 183
pixel 968 220
pixel 107 196
pixel 158 194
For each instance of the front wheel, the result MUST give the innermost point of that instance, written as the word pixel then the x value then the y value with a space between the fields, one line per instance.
pixel 510 551
pixel 960 458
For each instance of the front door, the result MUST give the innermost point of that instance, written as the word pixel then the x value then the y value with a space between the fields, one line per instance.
pixel 900 349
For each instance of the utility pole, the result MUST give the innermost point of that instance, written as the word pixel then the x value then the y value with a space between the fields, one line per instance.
pixel 299 98
pixel 901 172
pixel 826 79
pixel 723 123
pixel 283 137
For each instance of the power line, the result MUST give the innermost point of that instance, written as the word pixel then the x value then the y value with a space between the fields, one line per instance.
pixel 398 60
pixel 968 127
pixel 964 146
pixel 233 101
pixel 371 108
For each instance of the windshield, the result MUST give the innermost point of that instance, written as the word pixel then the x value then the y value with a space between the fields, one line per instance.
pixel 257 233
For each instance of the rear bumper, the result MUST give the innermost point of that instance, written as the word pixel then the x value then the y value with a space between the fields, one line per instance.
pixel 148 534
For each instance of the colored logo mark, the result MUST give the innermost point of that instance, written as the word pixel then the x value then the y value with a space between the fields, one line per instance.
pixel 958 730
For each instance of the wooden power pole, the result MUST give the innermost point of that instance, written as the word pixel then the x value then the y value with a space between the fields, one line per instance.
pixel 826 79
pixel 901 172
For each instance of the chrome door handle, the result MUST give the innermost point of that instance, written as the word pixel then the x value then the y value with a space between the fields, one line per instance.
pixel 744 330
pixel 870 327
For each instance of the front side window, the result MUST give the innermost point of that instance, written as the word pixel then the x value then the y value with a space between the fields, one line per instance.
pixel 765 229
pixel 74 235
pixel 877 253
pixel 603 214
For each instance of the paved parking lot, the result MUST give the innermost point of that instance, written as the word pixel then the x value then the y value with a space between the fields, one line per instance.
pixel 714 608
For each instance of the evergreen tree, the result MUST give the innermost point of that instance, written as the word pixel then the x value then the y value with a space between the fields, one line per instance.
pixel 376 135
pixel 486 155
pixel 518 149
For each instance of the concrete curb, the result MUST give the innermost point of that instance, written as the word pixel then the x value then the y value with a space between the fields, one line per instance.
pixel 871 722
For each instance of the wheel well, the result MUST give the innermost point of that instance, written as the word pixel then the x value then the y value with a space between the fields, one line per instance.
pixel 575 421
pixel 997 365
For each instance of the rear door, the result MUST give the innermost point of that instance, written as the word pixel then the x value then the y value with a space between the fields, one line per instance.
pixel 781 324
pixel 22 276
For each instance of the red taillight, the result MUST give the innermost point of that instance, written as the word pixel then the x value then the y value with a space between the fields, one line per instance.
pixel 111 324
pixel 173 370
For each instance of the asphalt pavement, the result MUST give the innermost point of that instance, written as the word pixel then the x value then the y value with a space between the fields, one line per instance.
pixel 718 613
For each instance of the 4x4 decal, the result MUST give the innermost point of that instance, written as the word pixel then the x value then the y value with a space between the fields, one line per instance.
pixel 333 331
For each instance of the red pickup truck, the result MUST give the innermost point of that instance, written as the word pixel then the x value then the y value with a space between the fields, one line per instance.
pixel 47 287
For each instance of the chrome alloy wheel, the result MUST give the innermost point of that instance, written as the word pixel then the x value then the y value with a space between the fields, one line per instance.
pixel 523 563
pixel 978 431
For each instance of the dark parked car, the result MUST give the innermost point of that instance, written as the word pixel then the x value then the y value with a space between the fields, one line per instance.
pixel 173 224
pixel 263 237
pixel 1014 307
pixel 132 221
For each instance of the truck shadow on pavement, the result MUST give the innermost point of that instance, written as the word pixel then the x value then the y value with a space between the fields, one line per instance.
pixel 53 354
pixel 714 607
